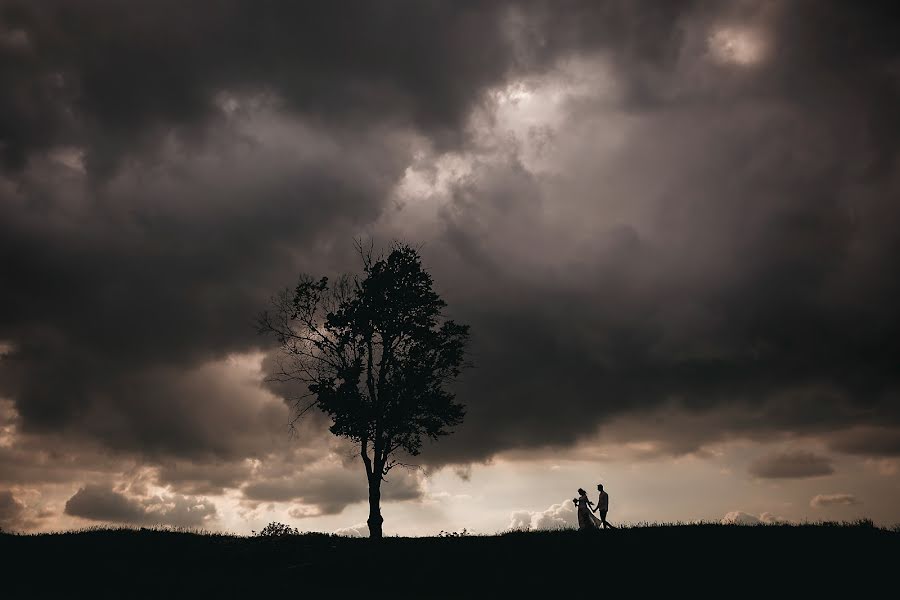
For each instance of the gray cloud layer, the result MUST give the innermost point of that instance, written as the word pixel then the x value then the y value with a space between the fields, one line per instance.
pixel 713 236
pixel 791 465
pixel 828 500
pixel 10 509
pixel 329 491
pixel 99 503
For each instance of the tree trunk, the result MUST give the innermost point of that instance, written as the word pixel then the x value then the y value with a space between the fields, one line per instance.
pixel 375 519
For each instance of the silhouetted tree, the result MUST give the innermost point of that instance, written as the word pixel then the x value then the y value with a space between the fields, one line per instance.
pixel 376 355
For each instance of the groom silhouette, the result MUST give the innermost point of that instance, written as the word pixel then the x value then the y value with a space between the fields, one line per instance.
pixel 603 507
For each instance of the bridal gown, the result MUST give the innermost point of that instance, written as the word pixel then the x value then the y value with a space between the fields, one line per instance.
pixel 586 519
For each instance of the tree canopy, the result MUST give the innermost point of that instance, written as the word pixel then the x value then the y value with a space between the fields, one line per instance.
pixel 376 355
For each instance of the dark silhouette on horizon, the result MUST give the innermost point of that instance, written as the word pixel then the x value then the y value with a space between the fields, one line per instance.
pixel 585 509
pixel 96 563
pixel 602 507
pixel 586 520
pixel 375 354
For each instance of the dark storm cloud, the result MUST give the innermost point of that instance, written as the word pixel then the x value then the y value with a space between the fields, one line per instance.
pixel 203 478
pixel 190 213
pixel 867 441
pixel 132 300
pixel 168 168
pixel 749 269
pixel 106 75
pixel 791 465
pixel 100 503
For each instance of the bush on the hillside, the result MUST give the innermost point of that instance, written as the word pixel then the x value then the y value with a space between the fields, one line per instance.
pixel 276 529
pixel 453 534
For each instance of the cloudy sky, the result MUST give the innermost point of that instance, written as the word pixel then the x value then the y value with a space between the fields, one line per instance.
pixel 672 226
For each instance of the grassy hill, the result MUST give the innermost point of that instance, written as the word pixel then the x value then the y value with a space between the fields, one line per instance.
pixel 687 560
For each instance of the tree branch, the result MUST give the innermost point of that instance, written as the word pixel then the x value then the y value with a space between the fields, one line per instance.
pixel 364 453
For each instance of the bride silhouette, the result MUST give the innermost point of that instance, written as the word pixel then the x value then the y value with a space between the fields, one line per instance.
pixel 586 519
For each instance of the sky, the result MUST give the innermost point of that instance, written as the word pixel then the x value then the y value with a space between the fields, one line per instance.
pixel 673 228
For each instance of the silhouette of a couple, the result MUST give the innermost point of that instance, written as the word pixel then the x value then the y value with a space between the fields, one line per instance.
pixel 586 520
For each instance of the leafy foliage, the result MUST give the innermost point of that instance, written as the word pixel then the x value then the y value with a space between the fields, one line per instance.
pixel 276 529
pixel 376 355
pixel 453 534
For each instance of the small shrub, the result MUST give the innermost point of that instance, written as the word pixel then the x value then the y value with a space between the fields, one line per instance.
pixel 276 529
pixel 453 534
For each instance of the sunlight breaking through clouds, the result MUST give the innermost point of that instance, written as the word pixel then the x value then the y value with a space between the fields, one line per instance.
pixel 743 46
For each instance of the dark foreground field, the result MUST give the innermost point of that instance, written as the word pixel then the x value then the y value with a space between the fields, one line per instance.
pixel 684 560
